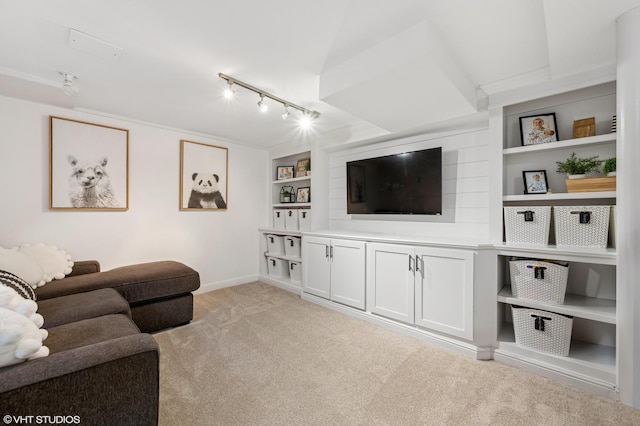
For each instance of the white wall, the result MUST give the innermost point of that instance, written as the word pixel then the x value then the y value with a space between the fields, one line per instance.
pixel 465 185
pixel 221 245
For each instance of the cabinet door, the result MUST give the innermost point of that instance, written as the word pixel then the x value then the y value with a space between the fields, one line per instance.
pixel 348 272
pixel 444 291
pixel 390 274
pixel 316 266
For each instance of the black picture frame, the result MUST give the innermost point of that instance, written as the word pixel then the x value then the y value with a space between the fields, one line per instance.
pixel 284 172
pixel 533 185
pixel 534 133
pixel 303 195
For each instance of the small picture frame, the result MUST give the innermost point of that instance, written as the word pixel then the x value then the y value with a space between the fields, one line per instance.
pixel 303 195
pixel 301 167
pixel 535 182
pixel 538 129
pixel 284 172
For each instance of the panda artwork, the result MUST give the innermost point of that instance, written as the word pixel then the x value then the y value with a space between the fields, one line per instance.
pixel 205 193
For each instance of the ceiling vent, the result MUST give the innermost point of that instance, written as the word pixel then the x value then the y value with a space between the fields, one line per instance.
pixel 94 46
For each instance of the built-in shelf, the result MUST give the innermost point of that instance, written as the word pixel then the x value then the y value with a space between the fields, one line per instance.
pixel 608 138
pixel 561 196
pixel 590 361
pixel 591 308
pixel 284 257
pixel 280 232
pixel 298 179
pixel 603 256
pixel 291 205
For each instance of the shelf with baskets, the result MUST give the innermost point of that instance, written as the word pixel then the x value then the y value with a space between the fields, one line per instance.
pixel 587 309
pixel 281 259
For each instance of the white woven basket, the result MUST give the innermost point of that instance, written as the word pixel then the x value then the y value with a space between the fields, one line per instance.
pixel 570 232
pixel 538 280
pixel 519 230
pixel 542 330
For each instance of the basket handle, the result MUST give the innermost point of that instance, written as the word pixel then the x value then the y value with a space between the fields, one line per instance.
pixel 539 321
pixel 585 216
pixel 528 215
pixel 538 271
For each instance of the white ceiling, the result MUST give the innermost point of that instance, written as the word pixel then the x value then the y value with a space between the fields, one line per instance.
pixel 370 67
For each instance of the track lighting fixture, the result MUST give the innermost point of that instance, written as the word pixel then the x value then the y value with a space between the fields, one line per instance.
pixel 307 115
pixel 67 85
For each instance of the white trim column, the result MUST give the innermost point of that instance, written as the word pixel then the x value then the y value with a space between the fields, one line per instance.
pixel 628 206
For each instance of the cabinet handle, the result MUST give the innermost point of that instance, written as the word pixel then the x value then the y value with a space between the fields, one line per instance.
pixel 331 252
pixel 411 263
pixel 326 251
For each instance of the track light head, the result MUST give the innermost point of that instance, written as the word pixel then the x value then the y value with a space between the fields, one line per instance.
pixel 67 85
pixel 261 105
pixel 229 92
pixel 286 112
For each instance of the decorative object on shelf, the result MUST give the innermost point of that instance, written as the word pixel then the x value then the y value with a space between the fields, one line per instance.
pixel 577 170
pixel 535 182
pixel 544 281
pixel 203 176
pixel 613 124
pixel 591 184
pixel 284 172
pixel 529 224
pixel 542 330
pixel 88 166
pixel 286 194
pixel 584 127
pixel 537 129
pixel 303 195
pixel 609 167
pixel 573 165
pixel 584 226
pixel 301 167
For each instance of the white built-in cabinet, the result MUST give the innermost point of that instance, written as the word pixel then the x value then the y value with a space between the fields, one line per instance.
pixel 424 286
pixel 592 286
pixel 334 269
pixel 285 220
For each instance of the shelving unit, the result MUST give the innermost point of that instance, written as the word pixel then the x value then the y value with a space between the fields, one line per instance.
pixel 276 184
pixel 591 289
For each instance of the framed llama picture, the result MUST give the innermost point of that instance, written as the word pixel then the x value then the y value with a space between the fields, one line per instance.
pixel 203 176
pixel 88 166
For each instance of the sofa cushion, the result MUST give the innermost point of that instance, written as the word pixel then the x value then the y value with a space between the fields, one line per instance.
pixel 139 283
pixel 89 331
pixel 22 265
pixel 54 262
pixel 75 307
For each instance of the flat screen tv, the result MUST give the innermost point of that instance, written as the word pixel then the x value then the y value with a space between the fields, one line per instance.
pixel 407 183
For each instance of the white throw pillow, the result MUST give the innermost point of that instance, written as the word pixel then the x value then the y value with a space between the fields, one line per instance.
pixel 55 263
pixel 23 266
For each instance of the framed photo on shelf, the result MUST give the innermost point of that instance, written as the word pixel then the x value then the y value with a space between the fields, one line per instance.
pixel 535 182
pixel 284 172
pixel 88 166
pixel 203 176
pixel 303 195
pixel 301 167
pixel 538 129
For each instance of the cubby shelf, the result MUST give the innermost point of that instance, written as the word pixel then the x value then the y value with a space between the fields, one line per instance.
pixel 609 138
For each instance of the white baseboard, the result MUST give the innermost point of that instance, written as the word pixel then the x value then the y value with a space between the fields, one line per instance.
pixel 206 287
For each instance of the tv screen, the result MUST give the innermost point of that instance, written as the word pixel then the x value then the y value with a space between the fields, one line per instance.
pixel 407 183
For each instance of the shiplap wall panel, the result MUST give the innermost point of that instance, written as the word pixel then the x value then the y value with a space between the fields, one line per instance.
pixel 465 186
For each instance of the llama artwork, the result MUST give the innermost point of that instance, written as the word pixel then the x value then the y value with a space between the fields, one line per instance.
pixel 89 184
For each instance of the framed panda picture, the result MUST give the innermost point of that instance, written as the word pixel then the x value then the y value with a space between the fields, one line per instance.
pixel 203 176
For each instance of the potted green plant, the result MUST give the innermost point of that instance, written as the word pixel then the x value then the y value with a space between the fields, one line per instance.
pixel 610 167
pixel 576 167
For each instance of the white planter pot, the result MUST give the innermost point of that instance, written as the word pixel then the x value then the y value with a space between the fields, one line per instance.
pixel 576 176
pixel 611 174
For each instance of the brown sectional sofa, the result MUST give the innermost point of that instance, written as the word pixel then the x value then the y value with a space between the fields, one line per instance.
pixel 101 370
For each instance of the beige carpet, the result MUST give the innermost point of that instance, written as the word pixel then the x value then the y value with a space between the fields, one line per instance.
pixel 258 355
